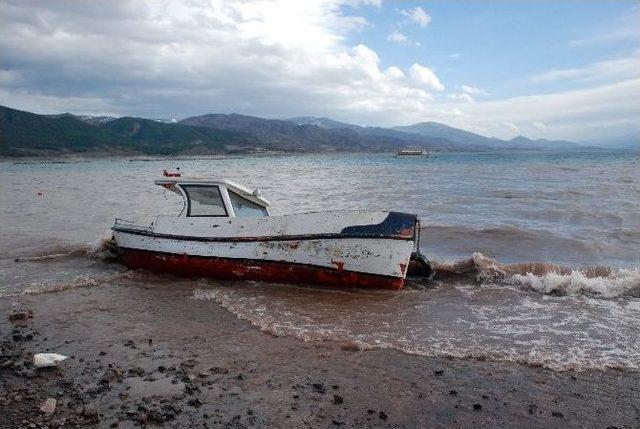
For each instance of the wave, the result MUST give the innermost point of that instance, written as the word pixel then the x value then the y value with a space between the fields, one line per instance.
pixel 75 283
pixel 548 278
pixel 67 250
pixel 277 315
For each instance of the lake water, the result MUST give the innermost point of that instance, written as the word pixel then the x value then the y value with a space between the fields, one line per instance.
pixel 483 212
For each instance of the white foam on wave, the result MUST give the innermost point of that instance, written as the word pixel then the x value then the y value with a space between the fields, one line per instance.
pixel 499 324
pixel 548 278
pixel 623 282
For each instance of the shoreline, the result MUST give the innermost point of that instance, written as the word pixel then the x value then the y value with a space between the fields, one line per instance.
pixel 146 355
pixel 73 157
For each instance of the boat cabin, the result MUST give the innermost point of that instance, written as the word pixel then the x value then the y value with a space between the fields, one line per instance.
pixel 208 197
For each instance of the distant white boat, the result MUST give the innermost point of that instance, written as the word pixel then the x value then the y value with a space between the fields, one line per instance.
pixel 225 231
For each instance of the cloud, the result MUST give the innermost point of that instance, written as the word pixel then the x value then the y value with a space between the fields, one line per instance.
pixel 618 68
pixel 461 96
pixel 473 90
pixel 424 76
pixel 539 125
pixel 268 58
pixel 575 115
pixel 401 39
pixel 272 59
pixel 397 37
pixel 417 15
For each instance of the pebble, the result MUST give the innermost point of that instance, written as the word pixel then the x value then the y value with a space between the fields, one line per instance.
pixel 319 388
pixel 48 406
pixel 17 315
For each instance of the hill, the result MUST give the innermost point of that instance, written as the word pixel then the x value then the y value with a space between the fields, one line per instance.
pixel 158 138
pixel 289 135
pixel 29 134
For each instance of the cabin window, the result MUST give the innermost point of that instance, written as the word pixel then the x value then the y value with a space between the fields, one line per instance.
pixel 244 207
pixel 204 201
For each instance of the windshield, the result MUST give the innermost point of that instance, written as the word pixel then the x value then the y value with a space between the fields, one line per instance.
pixel 204 200
pixel 245 208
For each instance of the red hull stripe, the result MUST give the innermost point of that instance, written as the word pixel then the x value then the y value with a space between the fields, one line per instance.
pixel 268 271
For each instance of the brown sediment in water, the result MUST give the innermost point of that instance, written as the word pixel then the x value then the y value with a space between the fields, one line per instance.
pixel 151 354
pixel 480 267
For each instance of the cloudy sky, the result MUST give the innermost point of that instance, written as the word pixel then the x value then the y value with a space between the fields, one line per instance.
pixel 543 69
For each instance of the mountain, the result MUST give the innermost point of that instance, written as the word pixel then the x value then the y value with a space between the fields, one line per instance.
pixel 322 122
pixel 402 138
pixel 96 120
pixel 152 137
pixel 438 130
pixel 629 141
pixel 285 134
pixel 29 134
pixel 435 129
pixel 526 143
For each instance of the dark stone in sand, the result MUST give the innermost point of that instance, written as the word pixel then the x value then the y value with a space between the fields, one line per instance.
pixel 142 418
pixel 190 389
pixel 350 347
pixel 371 411
pixel 136 372
pixel 337 423
pixel 234 423
pixel 319 388
pixel 90 414
pixel 438 372
pixel 382 415
pixel 453 392
pixel 557 414
pixel 102 353
pixel 17 315
pixel 477 407
pixel 195 402
pixel 337 399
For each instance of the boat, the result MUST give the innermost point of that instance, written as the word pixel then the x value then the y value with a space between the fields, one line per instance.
pixel 411 151
pixel 225 231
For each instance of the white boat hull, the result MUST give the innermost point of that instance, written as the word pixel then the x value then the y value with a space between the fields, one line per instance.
pixel 340 248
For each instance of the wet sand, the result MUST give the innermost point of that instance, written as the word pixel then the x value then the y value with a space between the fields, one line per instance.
pixel 153 355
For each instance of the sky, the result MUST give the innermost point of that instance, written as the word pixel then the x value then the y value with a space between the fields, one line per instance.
pixel 544 69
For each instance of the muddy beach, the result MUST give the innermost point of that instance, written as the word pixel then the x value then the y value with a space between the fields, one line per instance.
pixel 154 355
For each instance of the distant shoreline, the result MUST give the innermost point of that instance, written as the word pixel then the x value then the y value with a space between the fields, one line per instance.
pixel 77 157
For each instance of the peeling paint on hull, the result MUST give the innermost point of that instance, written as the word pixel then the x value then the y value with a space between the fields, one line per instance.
pixel 260 270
